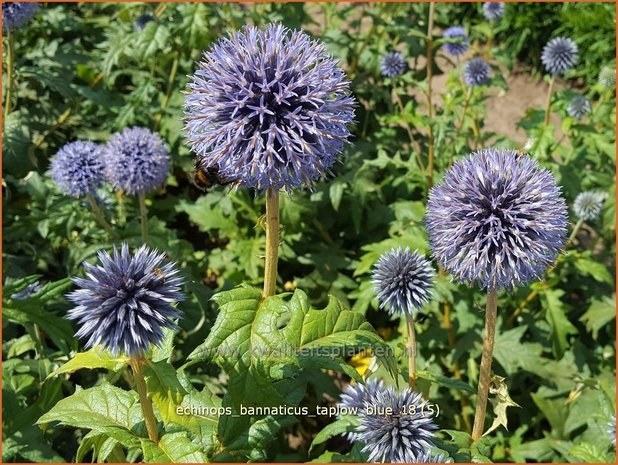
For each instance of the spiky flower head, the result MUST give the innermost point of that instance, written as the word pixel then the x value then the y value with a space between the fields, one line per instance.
pixel 392 64
pixel 136 160
pixel 493 10
pixel 579 106
pixel 142 20
pixel 497 219
pixel 126 301
pixel 588 205
pixel 357 397
pixel 398 435
pixel 476 72
pixel 429 457
pixel 458 44
pixel 16 14
pixel 78 168
pixel 268 109
pixel 403 281
pixel 607 77
pixel 559 55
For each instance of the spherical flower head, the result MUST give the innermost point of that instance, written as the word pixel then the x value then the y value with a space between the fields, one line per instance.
pixel 588 205
pixel 458 45
pixel 268 109
pixel 476 72
pixel 579 106
pixel 493 10
pixel 497 219
pixel 428 457
pixel 78 168
pixel 126 301
pixel 559 55
pixel 136 161
pixel 607 77
pixel 400 434
pixel 142 20
pixel 403 281
pixel 357 397
pixel 16 14
pixel 392 64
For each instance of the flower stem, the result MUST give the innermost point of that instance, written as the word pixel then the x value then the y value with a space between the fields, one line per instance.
pixel 548 102
pixel 139 383
pixel 143 214
pixel 272 241
pixel 10 59
pixel 576 229
pixel 491 313
pixel 430 142
pixel 100 217
pixel 411 351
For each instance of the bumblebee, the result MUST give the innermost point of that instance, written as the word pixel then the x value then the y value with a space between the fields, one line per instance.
pixel 159 273
pixel 206 177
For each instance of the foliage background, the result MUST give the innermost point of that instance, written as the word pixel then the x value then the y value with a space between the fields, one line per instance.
pixel 83 71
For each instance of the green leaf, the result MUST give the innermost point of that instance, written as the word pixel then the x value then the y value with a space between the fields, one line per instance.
pixel 94 358
pixel 166 392
pixel 341 426
pixel 481 451
pixel 442 380
pixel 173 448
pixel 560 326
pixel 599 314
pixel 105 409
pixel 588 453
pixel 596 270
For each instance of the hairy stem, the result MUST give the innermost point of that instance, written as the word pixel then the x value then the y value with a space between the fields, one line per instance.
pixel 10 64
pixel 139 384
pixel 100 217
pixel 411 351
pixel 430 142
pixel 548 102
pixel 272 241
pixel 491 313
pixel 143 214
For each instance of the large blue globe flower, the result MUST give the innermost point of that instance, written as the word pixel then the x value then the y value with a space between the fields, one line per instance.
pixel 136 161
pixel 268 109
pixel 124 303
pixel 16 14
pixel 559 55
pixel 78 168
pixel 496 219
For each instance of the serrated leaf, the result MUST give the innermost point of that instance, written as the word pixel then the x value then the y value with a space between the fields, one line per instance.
pixel 589 453
pixel 173 448
pixel 500 401
pixel 94 358
pixel 561 327
pixel 105 409
pixel 599 314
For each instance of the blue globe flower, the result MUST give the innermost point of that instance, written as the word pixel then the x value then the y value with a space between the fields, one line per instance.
pixel 357 397
pixel 476 72
pixel 136 161
pixel 16 14
pixel 607 77
pixel 559 55
pixel 493 10
pixel 268 109
pixel 579 106
pixel 142 20
pixel 458 43
pixel 397 435
pixel 392 64
pixel 124 303
pixel 403 281
pixel 78 168
pixel 588 205
pixel 496 219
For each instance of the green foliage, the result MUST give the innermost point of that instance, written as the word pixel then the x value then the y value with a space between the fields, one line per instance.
pixel 83 71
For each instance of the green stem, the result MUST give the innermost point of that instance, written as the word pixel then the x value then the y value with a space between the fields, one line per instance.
pixel 10 60
pixel 548 102
pixel 430 162
pixel 272 242
pixel 411 351
pixel 168 93
pixel 576 228
pixel 143 214
pixel 139 383
pixel 100 217
pixel 491 313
